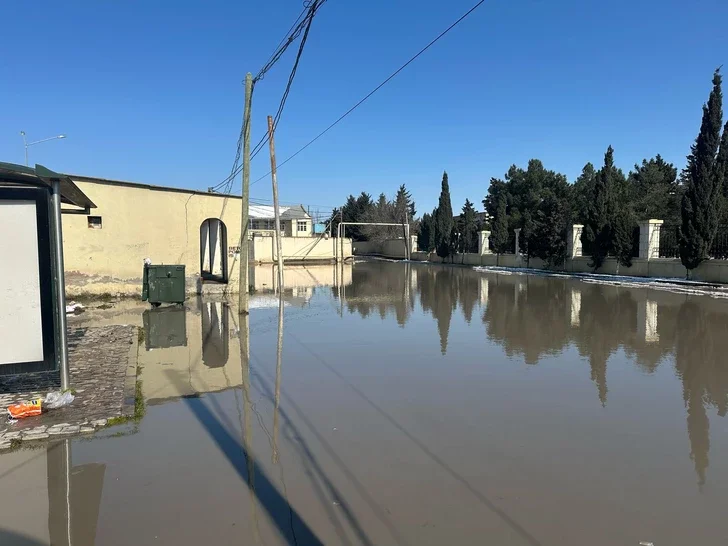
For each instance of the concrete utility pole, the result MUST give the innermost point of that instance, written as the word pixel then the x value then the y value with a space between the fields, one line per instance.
pixel 243 300
pixel 405 232
pixel 276 208
pixel 61 285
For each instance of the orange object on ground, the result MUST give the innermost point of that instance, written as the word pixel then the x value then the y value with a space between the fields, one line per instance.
pixel 25 409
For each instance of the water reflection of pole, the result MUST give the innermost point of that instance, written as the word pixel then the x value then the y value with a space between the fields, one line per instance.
pixel 67 463
pixel 59 463
pixel 407 273
pixel 279 354
pixel 247 420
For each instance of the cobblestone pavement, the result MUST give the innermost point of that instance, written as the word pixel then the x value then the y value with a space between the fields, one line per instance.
pixel 103 364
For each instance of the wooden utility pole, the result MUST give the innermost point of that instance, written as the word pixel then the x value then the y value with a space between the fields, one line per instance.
pixel 276 208
pixel 243 294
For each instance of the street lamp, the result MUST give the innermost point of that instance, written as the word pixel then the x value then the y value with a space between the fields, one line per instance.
pixel 36 142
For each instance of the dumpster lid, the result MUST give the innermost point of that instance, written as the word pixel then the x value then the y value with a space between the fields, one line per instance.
pixel 10 173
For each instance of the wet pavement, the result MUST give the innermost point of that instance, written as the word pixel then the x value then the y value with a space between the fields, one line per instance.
pixel 402 404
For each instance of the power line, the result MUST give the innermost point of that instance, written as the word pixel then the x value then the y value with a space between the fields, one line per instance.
pixel 310 9
pixel 377 88
pixel 314 7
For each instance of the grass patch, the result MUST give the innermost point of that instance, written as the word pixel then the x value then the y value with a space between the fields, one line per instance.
pixel 140 408
pixel 17 444
pixel 140 335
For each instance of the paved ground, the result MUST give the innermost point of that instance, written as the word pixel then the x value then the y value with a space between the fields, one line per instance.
pixel 103 373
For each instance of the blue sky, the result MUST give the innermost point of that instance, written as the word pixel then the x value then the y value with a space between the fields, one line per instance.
pixel 152 91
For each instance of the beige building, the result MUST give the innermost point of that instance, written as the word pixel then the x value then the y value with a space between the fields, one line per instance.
pixel 105 248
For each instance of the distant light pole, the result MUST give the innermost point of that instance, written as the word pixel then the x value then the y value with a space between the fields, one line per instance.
pixel 26 143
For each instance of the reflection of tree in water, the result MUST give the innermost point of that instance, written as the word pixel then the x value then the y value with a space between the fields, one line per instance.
pixel 440 290
pixel 608 320
pixel 378 287
pixel 468 291
pixel 444 304
pixel 528 316
pixel 534 316
pixel 701 346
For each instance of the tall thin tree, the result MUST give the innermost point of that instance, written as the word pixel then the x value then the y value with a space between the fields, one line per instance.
pixel 499 230
pixel 444 221
pixel 703 177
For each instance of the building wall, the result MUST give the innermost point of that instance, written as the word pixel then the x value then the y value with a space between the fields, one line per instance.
pixel 298 249
pixel 161 224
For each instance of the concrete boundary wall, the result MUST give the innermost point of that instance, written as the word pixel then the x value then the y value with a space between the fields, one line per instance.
pixel 391 248
pixel 298 249
pixel 709 271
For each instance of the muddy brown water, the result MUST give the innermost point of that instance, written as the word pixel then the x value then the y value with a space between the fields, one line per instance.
pixel 411 404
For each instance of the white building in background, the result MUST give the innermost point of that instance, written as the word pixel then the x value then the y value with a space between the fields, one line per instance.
pixel 295 221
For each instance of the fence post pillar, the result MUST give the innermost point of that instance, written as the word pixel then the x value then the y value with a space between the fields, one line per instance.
pixel 484 243
pixel 650 239
pixel 518 245
pixel 573 243
pixel 413 243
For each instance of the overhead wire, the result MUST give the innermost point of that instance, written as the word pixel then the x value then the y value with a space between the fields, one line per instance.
pixel 314 7
pixel 299 25
pixel 377 88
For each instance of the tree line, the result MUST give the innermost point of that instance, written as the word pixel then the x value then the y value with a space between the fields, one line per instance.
pixel 362 209
pixel 544 205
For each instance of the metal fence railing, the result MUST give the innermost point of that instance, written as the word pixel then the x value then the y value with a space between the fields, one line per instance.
pixel 586 246
pixel 669 237
pixel 670 246
pixel 719 248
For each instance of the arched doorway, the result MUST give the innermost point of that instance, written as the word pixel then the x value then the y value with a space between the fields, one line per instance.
pixel 213 258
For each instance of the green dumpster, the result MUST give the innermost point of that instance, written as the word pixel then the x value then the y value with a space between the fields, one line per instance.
pixel 163 284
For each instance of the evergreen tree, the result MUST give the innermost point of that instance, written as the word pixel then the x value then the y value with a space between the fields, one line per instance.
pixel 584 193
pixel 624 230
pixel 334 222
pixel 623 226
pixel 404 206
pixel 597 234
pixel 468 229
pixel 355 210
pixel 425 241
pixel 552 221
pixel 404 209
pixel 704 174
pixel 444 221
pixel 655 190
pixel 380 212
pixel 499 232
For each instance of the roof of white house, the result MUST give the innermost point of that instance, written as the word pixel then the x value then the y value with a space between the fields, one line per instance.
pixel 265 212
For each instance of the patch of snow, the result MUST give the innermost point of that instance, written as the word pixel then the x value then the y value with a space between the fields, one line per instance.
pixel 657 283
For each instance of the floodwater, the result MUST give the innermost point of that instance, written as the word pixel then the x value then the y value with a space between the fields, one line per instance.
pixel 403 404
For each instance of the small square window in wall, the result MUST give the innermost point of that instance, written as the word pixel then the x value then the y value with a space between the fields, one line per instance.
pixel 94 222
pixel 301 226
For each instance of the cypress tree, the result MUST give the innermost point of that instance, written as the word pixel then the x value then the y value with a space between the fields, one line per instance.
pixel 499 229
pixel 621 216
pixel 468 229
pixel 703 176
pixel 444 221
pixel 598 228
